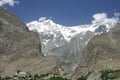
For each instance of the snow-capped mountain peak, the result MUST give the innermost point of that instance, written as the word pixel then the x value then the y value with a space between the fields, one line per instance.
pixel 47 26
pixel 67 43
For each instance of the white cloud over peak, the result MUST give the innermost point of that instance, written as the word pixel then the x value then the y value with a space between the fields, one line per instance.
pixel 9 2
pixel 99 16
pixel 42 19
pixel 117 16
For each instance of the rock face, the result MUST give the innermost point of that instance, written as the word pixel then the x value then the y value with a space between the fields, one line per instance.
pixel 20 49
pixel 67 43
pixel 102 52
pixel 70 53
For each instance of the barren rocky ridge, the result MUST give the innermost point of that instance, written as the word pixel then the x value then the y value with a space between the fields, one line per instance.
pixel 21 49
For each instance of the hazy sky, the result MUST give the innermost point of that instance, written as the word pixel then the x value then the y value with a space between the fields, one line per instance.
pixel 65 12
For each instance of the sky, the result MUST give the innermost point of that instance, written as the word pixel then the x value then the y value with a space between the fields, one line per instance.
pixel 64 12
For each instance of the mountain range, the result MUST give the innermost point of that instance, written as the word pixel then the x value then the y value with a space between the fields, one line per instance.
pixel 67 51
pixel 67 43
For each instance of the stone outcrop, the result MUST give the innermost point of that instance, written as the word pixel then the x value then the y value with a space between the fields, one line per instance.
pixel 21 49
pixel 101 53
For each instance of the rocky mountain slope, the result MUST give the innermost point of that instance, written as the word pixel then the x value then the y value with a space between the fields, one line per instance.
pixel 55 35
pixel 101 53
pixel 67 43
pixel 21 49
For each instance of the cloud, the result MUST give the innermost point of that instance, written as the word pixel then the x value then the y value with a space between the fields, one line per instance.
pixel 42 19
pixel 99 16
pixel 9 2
pixel 102 17
pixel 117 16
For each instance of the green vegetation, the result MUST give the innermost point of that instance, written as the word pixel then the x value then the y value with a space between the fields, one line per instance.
pixel 110 74
pixel 41 76
pixel 105 75
pixel 84 77
pixel 35 77
pixel 114 74
pixel 57 78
